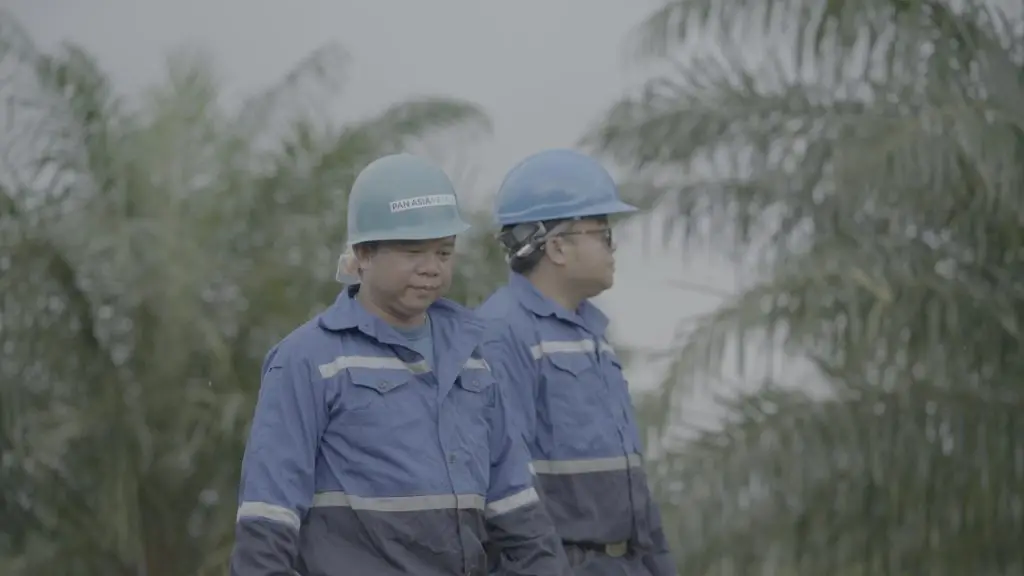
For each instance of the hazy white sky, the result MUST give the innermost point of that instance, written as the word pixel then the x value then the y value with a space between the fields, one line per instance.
pixel 543 69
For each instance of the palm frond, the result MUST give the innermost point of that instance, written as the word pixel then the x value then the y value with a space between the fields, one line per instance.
pixel 300 95
pixel 860 479
pixel 882 201
pixel 399 125
pixel 176 243
pixel 875 38
pixel 767 158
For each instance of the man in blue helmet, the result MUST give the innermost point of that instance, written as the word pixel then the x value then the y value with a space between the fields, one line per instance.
pixel 379 444
pixel 548 344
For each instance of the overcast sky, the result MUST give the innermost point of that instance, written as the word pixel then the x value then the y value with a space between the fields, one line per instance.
pixel 543 69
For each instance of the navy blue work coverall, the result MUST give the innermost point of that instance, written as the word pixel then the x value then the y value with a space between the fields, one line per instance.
pixel 364 461
pixel 575 412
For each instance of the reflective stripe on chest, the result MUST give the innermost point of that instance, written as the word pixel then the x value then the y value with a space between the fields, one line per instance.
pixel 340 363
pixel 550 347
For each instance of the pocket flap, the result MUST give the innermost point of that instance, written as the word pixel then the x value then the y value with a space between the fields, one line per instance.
pixel 383 381
pixel 475 380
pixel 573 363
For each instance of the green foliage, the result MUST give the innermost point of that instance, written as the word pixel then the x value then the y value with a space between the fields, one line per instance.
pixel 151 250
pixel 881 198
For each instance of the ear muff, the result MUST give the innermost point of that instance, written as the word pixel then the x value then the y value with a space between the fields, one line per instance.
pixel 348 267
pixel 526 241
pixel 523 239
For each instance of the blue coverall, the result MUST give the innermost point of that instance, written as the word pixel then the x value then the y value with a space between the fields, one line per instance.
pixel 575 412
pixel 365 461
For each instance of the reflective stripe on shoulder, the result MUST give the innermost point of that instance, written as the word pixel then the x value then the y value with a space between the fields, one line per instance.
pixel 271 512
pixel 373 363
pixel 513 502
pixel 548 347
pixel 399 503
pixel 552 467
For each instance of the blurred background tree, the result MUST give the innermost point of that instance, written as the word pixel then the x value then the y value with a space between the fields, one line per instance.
pixel 153 247
pixel 872 167
pixel 151 250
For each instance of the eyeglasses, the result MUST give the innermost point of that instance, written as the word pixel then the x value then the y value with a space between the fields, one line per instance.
pixel 602 233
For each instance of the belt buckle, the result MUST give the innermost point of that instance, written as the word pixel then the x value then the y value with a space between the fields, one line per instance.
pixel 616 549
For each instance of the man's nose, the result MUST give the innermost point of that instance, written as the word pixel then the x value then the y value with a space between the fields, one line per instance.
pixel 430 265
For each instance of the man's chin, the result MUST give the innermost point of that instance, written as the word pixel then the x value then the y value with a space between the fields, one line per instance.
pixel 420 300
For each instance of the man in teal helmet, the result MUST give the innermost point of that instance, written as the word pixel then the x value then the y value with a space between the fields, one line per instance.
pixel 379 444
pixel 548 345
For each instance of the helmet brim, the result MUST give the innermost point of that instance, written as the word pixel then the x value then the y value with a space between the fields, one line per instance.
pixel 424 232
pixel 602 209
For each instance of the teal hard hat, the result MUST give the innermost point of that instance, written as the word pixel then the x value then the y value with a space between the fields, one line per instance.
pixel 402 197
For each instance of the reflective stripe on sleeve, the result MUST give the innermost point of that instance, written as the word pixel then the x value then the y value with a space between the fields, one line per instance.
pixel 272 512
pixel 513 502
pixel 585 466
pixel 399 503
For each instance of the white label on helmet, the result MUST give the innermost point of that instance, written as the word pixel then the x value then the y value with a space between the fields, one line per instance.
pixel 423 202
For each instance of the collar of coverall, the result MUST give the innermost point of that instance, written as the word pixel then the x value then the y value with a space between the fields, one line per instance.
pixel 587 315
pixel 347 313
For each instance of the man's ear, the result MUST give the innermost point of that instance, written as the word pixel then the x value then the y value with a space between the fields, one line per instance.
pixel 555 250
pixel 363 253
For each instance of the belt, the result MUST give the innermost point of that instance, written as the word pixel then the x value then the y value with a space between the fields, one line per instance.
pixel 613 549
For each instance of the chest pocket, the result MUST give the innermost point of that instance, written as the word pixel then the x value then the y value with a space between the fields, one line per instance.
pixel 381 399
pixel 472 399
pixel 624 408
pixel 573 387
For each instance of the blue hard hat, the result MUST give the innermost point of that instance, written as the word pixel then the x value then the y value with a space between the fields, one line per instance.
pixel 555 185
pixel 402 197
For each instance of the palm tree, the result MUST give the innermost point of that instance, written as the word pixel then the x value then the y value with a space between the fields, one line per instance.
pixel 874 174
pixel 151 250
